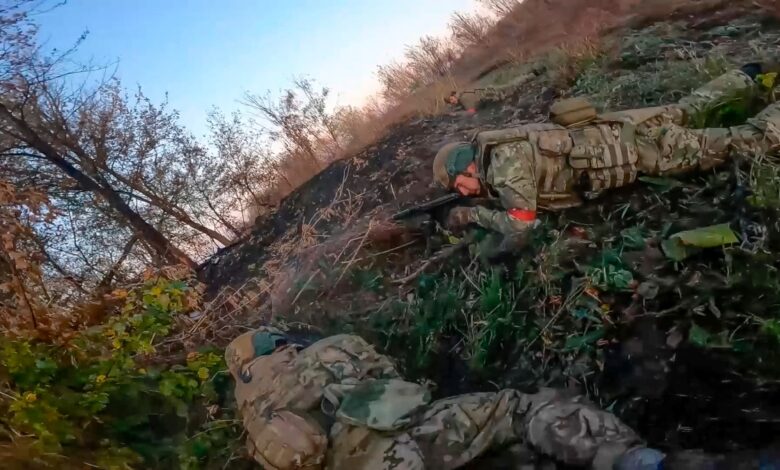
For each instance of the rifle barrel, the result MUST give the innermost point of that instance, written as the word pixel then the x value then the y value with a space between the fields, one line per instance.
pixel 426 206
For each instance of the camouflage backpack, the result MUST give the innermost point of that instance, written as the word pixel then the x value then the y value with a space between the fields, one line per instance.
pixel 382 405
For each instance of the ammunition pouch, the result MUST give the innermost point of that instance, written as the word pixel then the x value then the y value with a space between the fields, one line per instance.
pixel 608 161
pixel 286 440
pixel 486 140
pixel 572 112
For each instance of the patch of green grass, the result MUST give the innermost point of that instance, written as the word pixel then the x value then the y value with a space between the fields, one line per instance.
pixel 487 317
pixel 497 321
pixel 655 83
pixel 419 323
pixel 648 45
pixel 367 279
pixel 765 183
pixel 564 64
pixel 608 272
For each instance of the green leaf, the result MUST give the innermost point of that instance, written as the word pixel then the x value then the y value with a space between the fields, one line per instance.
pixel 177 286
pixel 771 328
pixel 675 250
pixel 767 80
pixel 610 274
pixel 620 279
pixel 164 300
pixel 633 239
pixel 585 314
pixel 45 364
pixel 708 237
pixel 200 448
pixel 426 283
pixel 699 336
pixel 684 244
pixel 578 342
pixel 182 410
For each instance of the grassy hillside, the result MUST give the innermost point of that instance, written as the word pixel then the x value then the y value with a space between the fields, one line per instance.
pixel 683 351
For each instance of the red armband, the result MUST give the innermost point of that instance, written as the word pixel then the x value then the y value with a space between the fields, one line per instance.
pixel 522 215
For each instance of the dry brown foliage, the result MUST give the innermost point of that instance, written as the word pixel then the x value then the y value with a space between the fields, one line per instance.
pixel 22 291
pixel 32 304
pixel 500 7
pixel 470 29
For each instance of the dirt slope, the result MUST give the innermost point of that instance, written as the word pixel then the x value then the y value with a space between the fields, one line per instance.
pixel 682 351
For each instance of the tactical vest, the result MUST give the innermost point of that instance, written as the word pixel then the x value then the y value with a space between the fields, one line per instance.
pixel 602 153
pixel 551 143
pixel 606 152
pixel 604 145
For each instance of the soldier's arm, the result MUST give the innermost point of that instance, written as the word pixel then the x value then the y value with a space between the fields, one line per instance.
pixel 514 179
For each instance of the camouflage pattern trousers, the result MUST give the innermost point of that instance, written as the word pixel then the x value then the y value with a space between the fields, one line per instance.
pixel 681 149
pixel 339 404
pixel 454 431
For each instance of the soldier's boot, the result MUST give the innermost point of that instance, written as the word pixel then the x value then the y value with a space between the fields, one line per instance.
pixel 743 82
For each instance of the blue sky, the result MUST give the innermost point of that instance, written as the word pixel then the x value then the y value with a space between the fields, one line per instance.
pixel 206 53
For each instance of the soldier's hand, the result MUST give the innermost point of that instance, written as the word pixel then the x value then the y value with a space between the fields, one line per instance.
pixel 459 217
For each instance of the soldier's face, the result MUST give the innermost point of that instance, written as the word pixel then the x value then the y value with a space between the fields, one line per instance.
pixel 467 183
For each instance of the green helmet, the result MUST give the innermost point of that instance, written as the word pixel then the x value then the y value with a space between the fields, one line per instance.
pixel 251 345
pixel 450 161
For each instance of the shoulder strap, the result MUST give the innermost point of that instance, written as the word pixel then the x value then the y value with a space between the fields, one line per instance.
pixel 632 116
pixel 486 140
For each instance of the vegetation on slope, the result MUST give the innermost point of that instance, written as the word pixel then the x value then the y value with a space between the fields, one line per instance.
pixel 103 366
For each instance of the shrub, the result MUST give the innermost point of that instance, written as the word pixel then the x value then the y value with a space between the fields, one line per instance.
pixel 98 399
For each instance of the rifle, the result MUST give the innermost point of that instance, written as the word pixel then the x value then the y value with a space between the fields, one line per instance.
pixel 439 206
pixel 427 207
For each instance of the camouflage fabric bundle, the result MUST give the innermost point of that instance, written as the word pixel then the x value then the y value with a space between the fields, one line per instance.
pixel 341 398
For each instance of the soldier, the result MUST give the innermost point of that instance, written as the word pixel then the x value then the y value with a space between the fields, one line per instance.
pixel 472 99
pixel 555 166
pixel 338 404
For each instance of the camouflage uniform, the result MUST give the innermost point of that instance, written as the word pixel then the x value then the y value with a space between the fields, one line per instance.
pixel 548 166
pixel 475 98
pixel 338 404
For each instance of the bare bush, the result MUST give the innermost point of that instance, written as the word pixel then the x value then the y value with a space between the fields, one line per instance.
pixel 396 80
pixel 501 8
pixel 469 29
pixel 301 120
pixel 359 126
pixel 425 63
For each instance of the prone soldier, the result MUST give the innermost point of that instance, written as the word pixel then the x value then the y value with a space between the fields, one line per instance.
pixel 338 404
pixel 553 166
